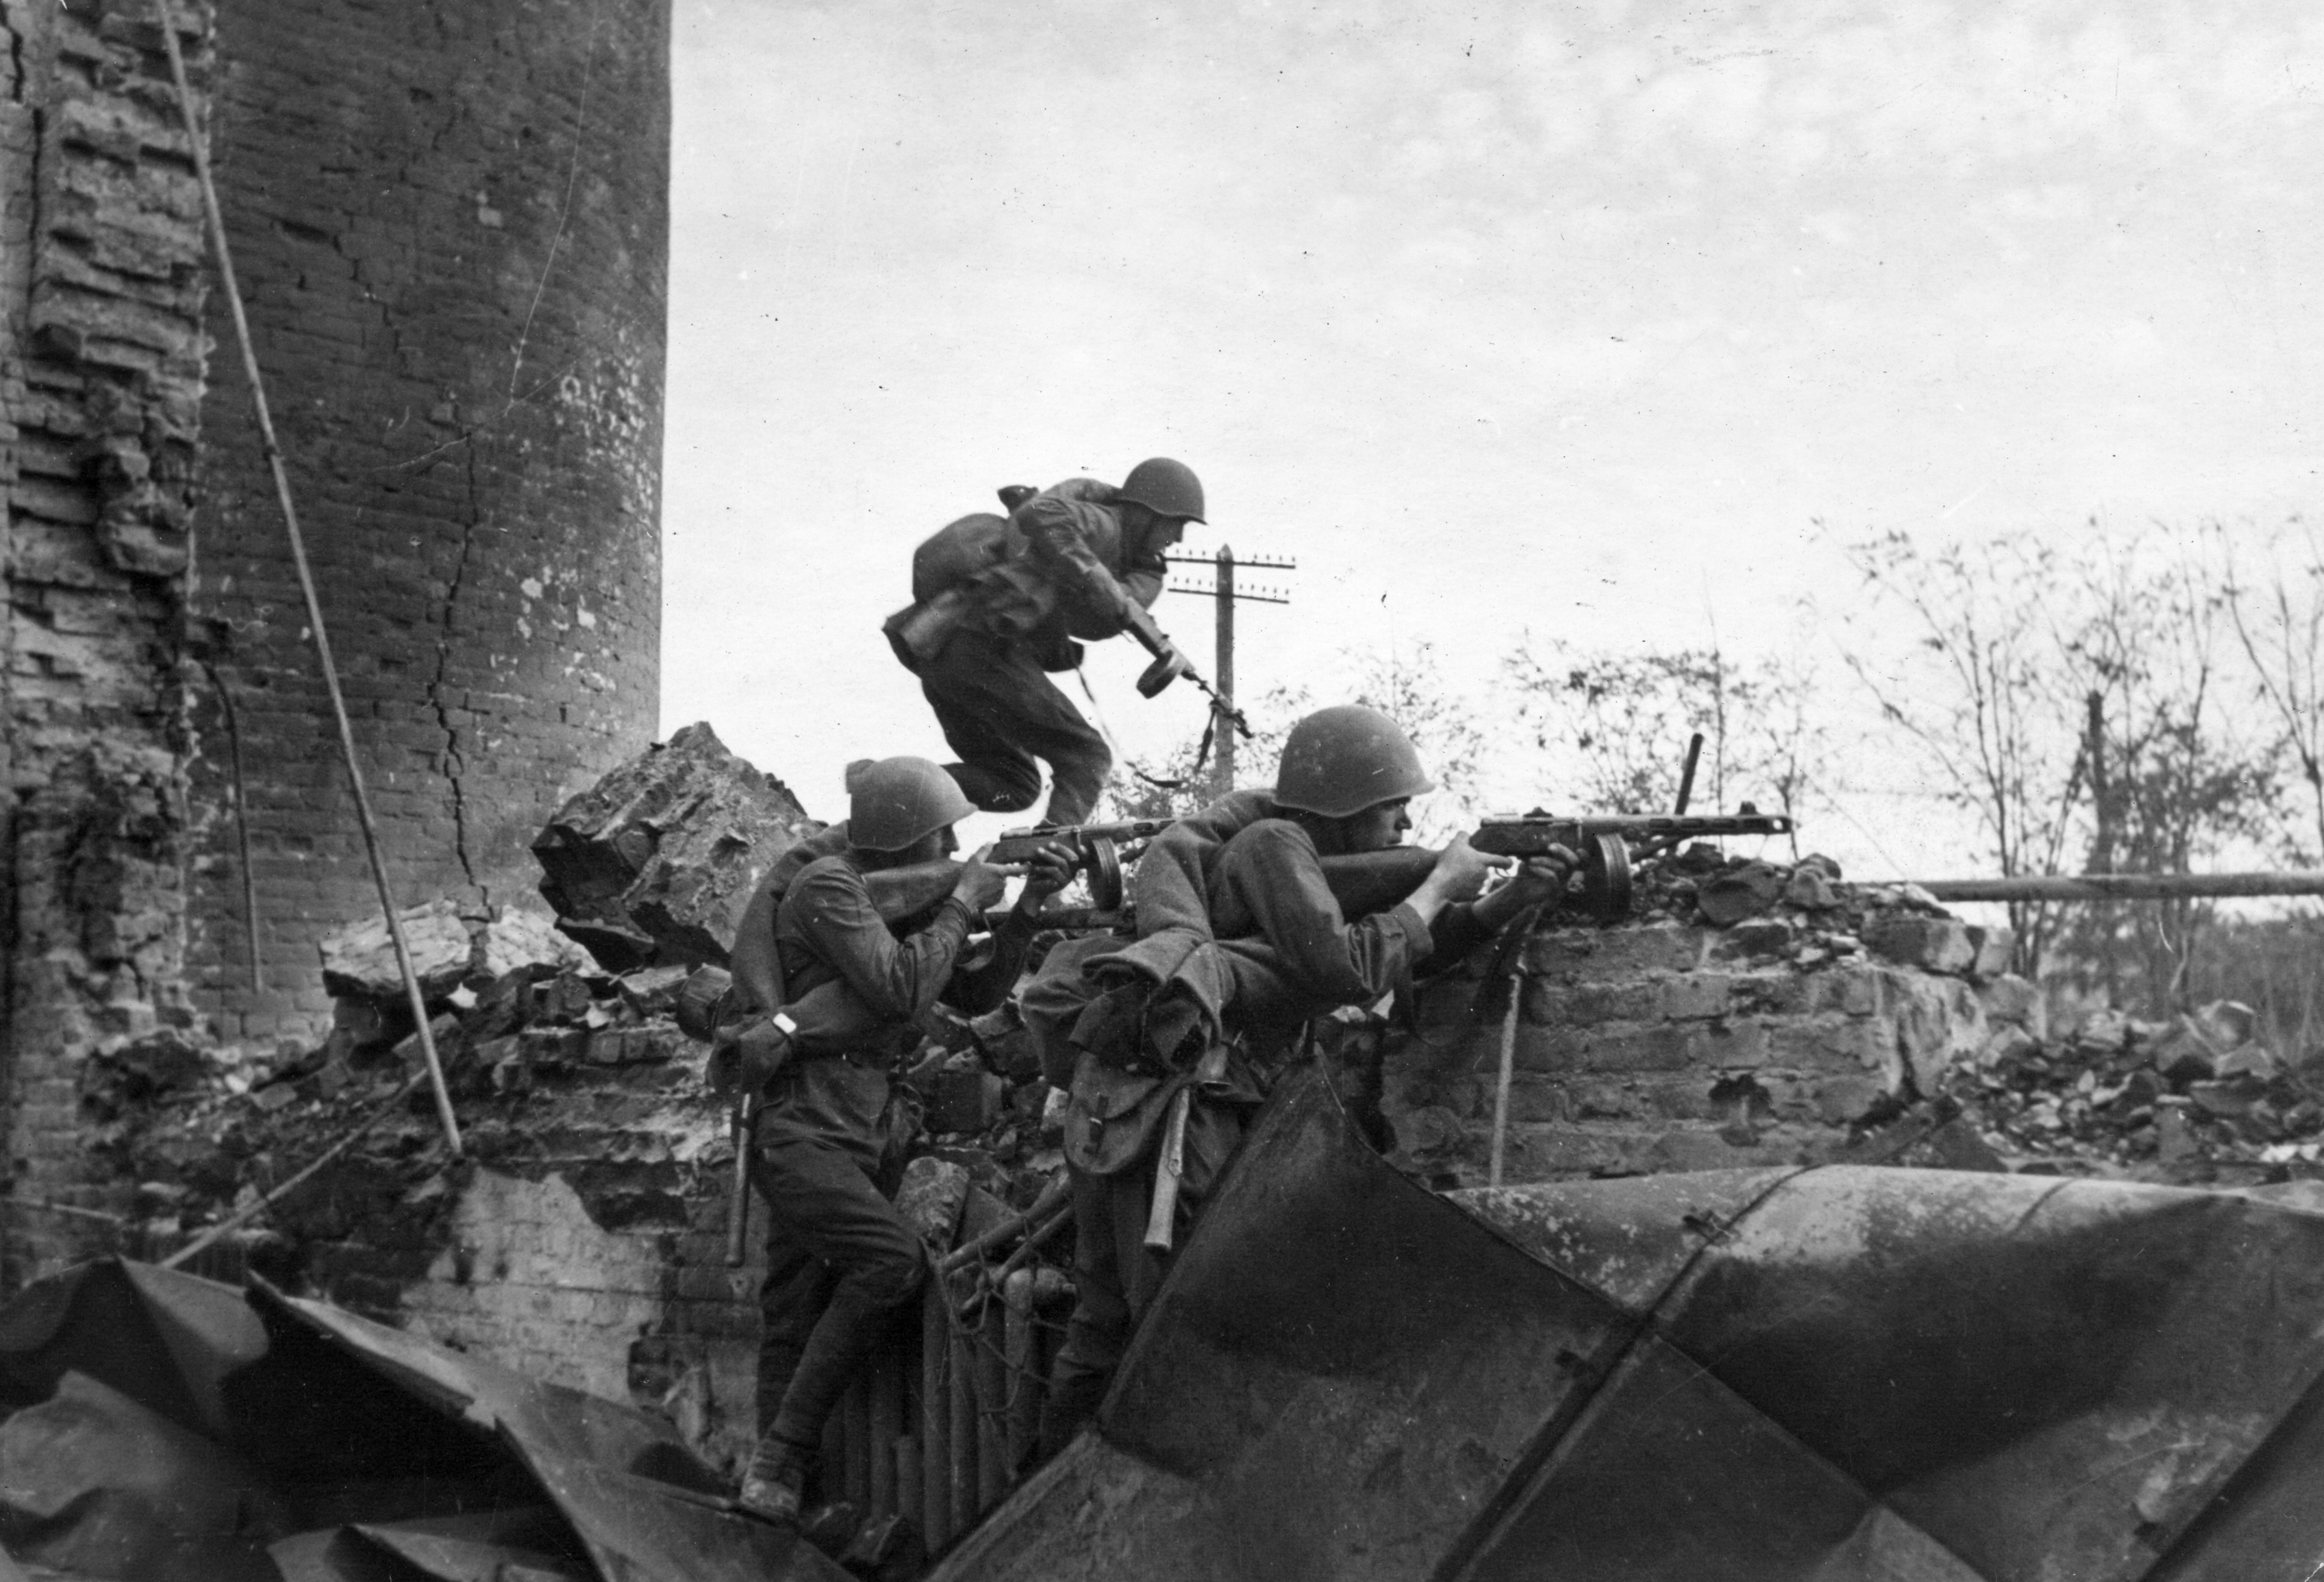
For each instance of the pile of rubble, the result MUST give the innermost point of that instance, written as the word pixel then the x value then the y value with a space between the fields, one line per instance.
pixel 2192 1100
pixel 556 1058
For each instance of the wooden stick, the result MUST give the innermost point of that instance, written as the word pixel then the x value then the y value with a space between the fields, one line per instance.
pixel 216 215
pixel 1169 1170
pixel 1509 1069
pixel 967 1252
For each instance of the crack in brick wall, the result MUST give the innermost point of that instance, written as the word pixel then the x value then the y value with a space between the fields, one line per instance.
pixel 495 176
pixel 397 187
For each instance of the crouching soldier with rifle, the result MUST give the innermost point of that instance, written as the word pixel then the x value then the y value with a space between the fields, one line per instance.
pixel 840 1261
pixel 997 603
pixel 1183 1032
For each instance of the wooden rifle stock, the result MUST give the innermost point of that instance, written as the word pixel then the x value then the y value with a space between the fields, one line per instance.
pixel 738 1207
pixel 1169 1170
pixel 1374 881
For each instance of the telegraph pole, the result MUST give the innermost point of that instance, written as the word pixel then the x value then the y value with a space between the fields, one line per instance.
pixel 1224 590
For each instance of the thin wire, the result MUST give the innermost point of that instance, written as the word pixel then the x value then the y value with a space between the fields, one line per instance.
pixel 217 216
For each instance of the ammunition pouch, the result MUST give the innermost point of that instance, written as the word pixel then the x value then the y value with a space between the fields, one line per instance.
pixel 919 632
pixel 1113 1118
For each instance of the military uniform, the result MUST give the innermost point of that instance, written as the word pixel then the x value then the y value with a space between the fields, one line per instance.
pixel 839 1260
pixel 1279 953
pixel 1061 571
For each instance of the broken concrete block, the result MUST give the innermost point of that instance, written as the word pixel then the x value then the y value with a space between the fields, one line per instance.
pixel 2225 1024
pixel 2011 998
pixel 2250 1060
pixel 1746 892
pixel 519 939
pixel 654 991
pixel 2175 1136
pixel 1810 890
pixel 930 1200
pixel 1934 945
pixel 1994 947
pixel 359 961
pixel 653 864
pixel 1770 937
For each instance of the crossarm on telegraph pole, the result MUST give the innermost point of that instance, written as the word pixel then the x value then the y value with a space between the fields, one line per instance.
pixel 1225 592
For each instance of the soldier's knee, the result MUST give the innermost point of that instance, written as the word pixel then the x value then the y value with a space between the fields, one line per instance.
pixel 890 1282
pixel 1010 795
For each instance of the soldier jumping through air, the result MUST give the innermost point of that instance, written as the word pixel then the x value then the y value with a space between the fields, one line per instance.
pixel 998 601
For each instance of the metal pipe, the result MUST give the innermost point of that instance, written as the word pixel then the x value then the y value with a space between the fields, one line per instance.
pixel 2123 887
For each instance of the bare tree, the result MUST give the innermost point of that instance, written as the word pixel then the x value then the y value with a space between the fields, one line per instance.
pixel 1623 722
pixel 1980 693
pixel 2172 776
pixel 2278 615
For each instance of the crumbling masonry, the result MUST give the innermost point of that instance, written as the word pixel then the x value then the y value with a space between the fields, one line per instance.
pixel 449 224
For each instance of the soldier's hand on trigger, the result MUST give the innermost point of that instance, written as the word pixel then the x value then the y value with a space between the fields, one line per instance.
pixel 980 883
pixel 1541 879
pixel 1050 870
pixel 1461 870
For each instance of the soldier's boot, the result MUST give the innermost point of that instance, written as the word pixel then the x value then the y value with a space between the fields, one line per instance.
pixel 773 1482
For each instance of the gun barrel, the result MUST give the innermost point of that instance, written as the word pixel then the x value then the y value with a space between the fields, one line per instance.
pixel 1526 836
pixel 1019 845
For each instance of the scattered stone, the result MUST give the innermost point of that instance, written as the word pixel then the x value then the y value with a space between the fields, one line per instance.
pixel 1994 947
pixel 1933 945
pixel 930 1200
pixel 654 991
pixel 1771 937
pixel 359 961
pixel 520 940
pixel 1746 892
pixel 1811 890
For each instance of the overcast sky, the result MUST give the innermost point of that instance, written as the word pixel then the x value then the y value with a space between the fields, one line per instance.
pixel 1497 315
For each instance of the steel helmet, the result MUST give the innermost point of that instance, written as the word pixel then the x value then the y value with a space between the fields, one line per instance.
pixel 895 801
pixel 1342 760
pixel 1164 487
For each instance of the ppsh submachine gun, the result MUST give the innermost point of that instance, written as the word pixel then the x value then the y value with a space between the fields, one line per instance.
pixel 1098 849
pixel 1608 847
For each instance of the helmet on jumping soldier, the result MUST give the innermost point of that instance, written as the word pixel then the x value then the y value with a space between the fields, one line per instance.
pixel 898 800
pixel 1341 760
pixel 1164 487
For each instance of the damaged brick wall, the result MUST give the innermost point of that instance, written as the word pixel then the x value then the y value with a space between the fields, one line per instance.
pixel 102 291
pixel 449 224
pixel 1674 1043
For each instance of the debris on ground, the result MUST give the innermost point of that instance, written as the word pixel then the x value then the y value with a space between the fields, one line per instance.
pixel 154 1424
pixel 2193 1100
